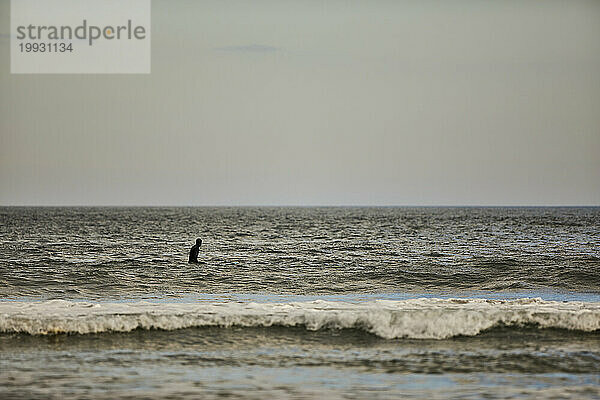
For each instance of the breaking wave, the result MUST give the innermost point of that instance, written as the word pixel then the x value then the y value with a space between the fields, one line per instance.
pixel 415 318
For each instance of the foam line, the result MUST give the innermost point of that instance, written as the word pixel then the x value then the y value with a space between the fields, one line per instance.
pixel 415 318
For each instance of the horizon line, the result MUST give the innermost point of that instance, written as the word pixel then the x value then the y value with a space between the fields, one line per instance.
pixel 301 205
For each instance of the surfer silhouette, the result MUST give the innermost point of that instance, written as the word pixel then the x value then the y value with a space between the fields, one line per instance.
pixel 194 252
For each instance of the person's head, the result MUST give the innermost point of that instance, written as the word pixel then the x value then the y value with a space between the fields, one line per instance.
pixel 198 241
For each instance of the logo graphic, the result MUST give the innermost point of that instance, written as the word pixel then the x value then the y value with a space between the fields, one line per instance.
pixel 80 36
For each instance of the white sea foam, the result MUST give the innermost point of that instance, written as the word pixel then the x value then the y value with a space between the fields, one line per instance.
pixel 416 318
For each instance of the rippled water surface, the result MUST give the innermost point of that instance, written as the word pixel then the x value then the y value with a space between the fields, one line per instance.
pixel 137 252
pixel 300 303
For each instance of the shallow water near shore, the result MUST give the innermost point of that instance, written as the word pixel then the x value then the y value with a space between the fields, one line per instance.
pixel 300 303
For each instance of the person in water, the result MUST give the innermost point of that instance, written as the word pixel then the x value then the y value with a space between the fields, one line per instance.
pixel 194 252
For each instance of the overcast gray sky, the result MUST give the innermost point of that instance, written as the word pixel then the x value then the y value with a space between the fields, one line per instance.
pixel 320 103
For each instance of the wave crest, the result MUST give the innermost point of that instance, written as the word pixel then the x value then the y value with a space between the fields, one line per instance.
pixel 415 319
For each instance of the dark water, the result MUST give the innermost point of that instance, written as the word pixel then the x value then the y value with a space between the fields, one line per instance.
pixel 300 303
pixel 99 253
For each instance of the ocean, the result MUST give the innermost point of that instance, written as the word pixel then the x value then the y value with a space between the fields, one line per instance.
pixel 300 302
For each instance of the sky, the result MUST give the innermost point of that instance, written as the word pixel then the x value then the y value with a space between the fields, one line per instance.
pixel 320 103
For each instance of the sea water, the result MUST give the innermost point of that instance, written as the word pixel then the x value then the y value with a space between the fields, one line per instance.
pixel 300 303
